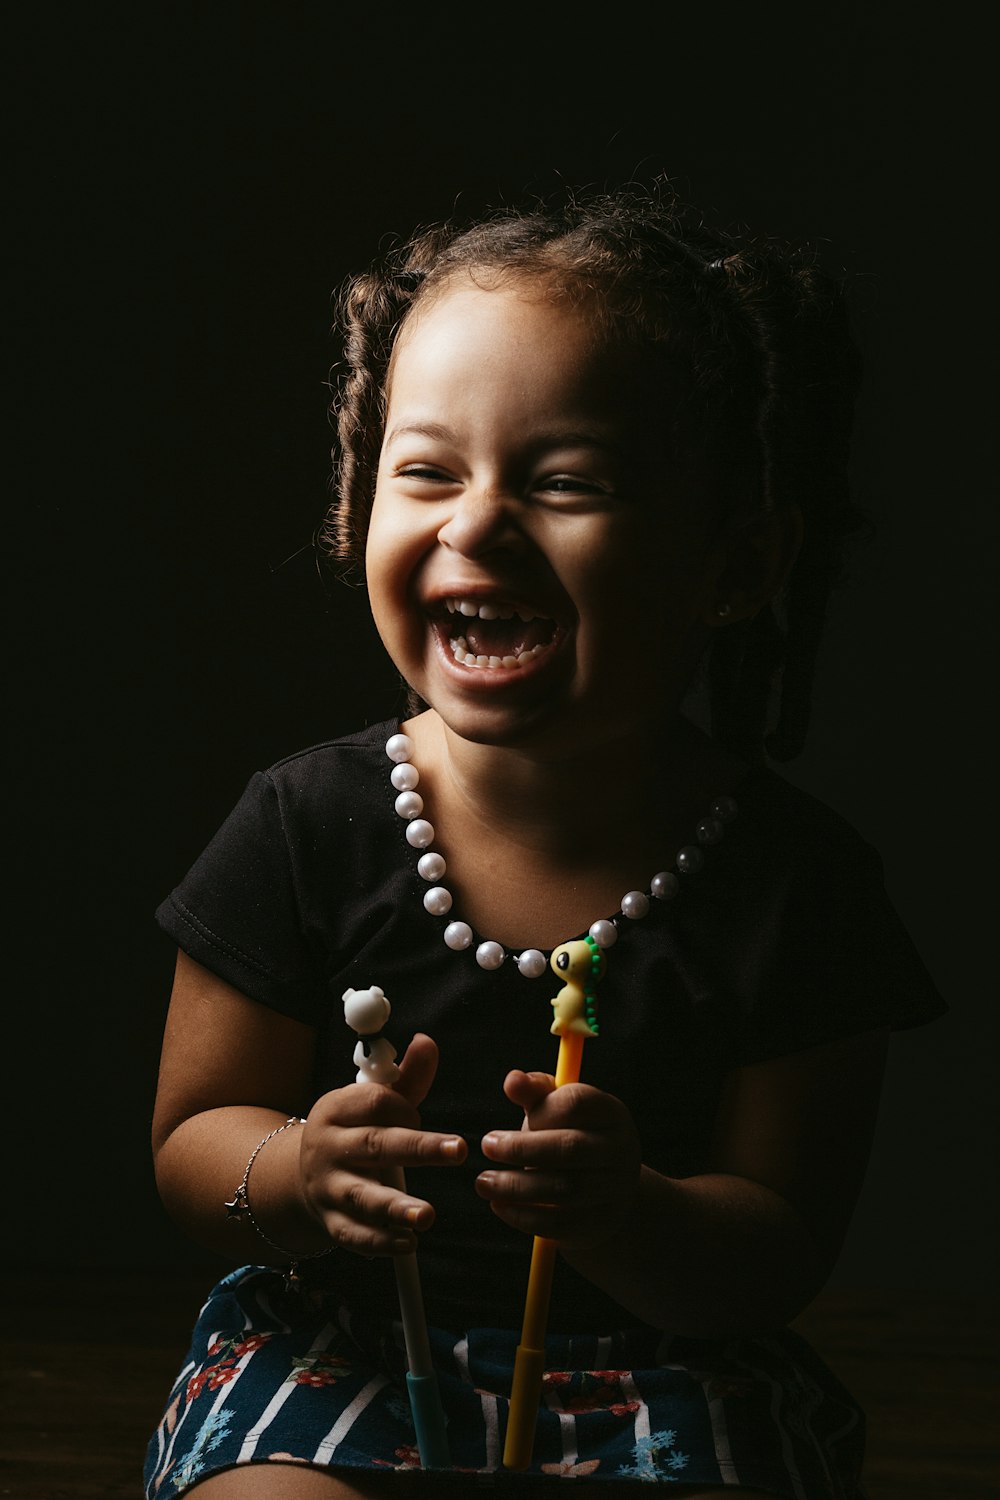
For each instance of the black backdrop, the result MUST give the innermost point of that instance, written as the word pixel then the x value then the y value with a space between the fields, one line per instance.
pixel 191 182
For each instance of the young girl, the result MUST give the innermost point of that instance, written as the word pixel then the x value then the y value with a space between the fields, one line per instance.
pixel 592 459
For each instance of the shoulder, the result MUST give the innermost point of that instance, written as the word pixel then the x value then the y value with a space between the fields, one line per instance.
pixel 337 768
pixel 786 824
pixel 792 882
pixel 311 800
pixel 363 747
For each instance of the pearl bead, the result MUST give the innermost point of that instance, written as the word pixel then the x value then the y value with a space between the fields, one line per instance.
pixel 437 901
pixel 604 933
pixel 404 777
pixel 409 804
pixel 665 885
pixel 458 935
pixel 489 955
pixel 531 963
pixel 635 905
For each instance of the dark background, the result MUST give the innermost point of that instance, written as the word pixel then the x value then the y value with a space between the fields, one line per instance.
pixel 190 184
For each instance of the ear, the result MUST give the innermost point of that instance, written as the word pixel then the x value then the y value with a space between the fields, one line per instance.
pixel 756 559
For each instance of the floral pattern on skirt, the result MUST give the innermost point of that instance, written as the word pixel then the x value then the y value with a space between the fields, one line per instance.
pixel 290 1376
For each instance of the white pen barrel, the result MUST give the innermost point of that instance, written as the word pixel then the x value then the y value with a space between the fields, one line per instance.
pixel 411 1300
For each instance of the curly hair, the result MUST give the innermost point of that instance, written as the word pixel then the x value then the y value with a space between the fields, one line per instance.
pixel 762 336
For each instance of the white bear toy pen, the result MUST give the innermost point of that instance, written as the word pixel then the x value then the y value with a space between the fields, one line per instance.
pixel 366 1012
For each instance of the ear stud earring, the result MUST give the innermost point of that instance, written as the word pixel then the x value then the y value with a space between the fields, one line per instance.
pixel 723 611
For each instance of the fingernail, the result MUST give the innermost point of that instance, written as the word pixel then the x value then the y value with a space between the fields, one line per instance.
pixel 452 1147
pixel 412 1214
pixel 487 1178
pixel 491 1142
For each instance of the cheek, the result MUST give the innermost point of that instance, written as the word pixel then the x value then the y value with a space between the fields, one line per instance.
pixel 385 554
pixel 400 533
pixel 647 600
pixel 392 562
pixel 375 539
pixel 381 576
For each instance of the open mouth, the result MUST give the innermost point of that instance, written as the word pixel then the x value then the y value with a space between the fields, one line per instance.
pixel 494 636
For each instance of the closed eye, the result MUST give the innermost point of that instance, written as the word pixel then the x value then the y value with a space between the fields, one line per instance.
pixel 570 484
pixel 573 491
pixel 425 473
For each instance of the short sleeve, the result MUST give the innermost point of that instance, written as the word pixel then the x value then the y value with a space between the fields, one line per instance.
pixel 236 911
pixel 833 958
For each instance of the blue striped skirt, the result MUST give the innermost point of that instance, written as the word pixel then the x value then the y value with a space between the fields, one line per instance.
pixel 288 1376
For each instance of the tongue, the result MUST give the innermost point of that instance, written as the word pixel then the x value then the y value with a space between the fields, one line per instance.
pixel 505 637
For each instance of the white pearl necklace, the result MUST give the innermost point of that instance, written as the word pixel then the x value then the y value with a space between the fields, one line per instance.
pixel 531 962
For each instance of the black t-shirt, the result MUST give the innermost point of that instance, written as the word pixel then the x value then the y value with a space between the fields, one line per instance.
pixel 784 940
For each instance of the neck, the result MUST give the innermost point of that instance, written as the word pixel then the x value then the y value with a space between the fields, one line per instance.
pixel 556 804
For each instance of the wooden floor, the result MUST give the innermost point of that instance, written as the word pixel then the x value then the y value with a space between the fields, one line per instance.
pixel 87 1362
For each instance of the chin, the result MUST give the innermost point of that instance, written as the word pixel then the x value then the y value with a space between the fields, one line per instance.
pixel 505 731
pixel 551 729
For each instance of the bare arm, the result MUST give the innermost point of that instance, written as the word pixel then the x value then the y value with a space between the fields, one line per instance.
pixel 740 1248
pixel 231 1071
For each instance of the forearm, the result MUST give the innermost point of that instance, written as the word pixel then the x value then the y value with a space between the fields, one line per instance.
pixel 201 1164
pixel 708 1256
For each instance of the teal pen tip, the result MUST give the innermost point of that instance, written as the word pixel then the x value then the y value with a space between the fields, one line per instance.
pixel 429 1421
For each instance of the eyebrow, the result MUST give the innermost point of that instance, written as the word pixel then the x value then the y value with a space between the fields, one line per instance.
pixel 422 429
pixel 541 440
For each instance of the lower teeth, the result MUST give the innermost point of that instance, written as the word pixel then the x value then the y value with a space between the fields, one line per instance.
pixel 460 651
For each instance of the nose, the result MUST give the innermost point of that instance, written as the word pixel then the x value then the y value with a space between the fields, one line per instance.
pixel 481 521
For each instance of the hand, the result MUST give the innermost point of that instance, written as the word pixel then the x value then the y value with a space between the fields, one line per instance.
pixel 572 1173
pixel 355 1144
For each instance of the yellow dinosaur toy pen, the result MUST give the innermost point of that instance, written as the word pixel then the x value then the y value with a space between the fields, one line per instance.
pixel 581 963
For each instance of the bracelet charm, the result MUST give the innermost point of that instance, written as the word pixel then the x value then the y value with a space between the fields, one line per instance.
pixel 238 1207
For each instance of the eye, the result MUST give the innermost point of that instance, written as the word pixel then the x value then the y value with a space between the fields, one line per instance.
pixel 425 473
pixel 423 481
pixel 573 492
pixel 570 484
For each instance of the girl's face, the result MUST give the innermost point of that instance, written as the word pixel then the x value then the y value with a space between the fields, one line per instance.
pixel 539 568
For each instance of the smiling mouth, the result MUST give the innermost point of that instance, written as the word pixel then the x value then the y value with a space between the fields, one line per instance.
pixel 494 636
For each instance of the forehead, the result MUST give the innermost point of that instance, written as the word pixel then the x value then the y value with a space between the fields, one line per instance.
pixel 523 337
pixel 520 311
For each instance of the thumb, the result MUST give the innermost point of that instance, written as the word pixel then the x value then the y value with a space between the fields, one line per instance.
pixel 528 1090
pixel 417 1069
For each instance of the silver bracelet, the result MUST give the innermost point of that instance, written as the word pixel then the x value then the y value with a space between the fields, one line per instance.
pixel 238 1207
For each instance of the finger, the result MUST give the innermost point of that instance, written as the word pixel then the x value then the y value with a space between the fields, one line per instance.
pixel 553 1150
pixel 362 1104
pixel 371 1147
pixel 526 1187
pixel 376 1205
pixel 417 1070
pixel 528 1090
pixel 575 1105
pixel 563 1221
pixel 368 1240
pixel 593 1198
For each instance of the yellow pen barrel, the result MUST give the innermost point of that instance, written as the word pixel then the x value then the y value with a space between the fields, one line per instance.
pixel 569 1059
pixel 529 1362
pixel 520 1441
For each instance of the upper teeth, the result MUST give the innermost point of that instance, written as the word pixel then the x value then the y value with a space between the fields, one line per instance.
pixel 488 611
